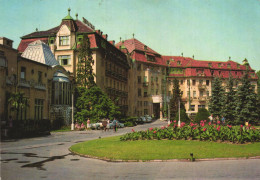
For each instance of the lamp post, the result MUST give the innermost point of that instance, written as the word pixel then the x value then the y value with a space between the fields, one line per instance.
pixel 179 122
pixel 72 105
pixel 72 112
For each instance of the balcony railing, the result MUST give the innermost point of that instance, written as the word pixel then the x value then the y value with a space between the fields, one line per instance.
pixel 40 86
pixel 24 83
pixel 200 86
pixel 145 84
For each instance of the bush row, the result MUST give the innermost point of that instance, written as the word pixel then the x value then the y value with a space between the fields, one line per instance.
pixel 203 132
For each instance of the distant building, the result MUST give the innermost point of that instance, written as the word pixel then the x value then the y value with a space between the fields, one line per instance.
pixel 110 64
pixel 37 74
pixel 153 74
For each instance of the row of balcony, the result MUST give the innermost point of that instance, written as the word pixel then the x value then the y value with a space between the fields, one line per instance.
pixel 26 84
pixel 116 92
pixel 201 98
pixel 116 75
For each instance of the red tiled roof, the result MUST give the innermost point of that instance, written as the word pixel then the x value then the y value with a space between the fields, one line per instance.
pixel 82 27
pixel 42 33
pixel 25 42
pixel 134 44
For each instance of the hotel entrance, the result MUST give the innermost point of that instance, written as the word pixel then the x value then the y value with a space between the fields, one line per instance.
pixel 156 110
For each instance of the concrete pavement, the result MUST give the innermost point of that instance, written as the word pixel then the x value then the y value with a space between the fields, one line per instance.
pixel 48 158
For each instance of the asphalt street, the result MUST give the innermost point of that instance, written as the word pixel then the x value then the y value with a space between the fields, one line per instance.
pixel 49 158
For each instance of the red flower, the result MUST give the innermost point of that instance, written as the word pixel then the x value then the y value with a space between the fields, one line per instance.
pixel 218 122
pixel 204 129
pixel 150 129
pixel 218 128
pixel 133 130
pixel 249 125
pixel 229 126
pixel 205 120
pixel 182 124
pixel 154 132
pixel 209 123
pixel 162 127
pixel 241 126
pixel 194 128
pixel 174 121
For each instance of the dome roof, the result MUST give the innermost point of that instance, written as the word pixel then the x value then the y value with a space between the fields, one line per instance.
pixel 40 52
pixel 60 77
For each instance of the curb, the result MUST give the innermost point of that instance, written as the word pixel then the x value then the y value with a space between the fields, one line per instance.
pixel 159 160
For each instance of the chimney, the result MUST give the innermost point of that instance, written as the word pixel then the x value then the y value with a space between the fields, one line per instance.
pixel 77 16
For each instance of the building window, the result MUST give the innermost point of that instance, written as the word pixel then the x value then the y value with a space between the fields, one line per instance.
pixel 150 58
pixel 64 40
pixel 192 107
pixel 22 113
pixel 201 93
pixel 139 92
pixel 38 109
pixel 145 103
pixel 139 79
pixel 178 62
pixel 201 81
pixel 194 93
pixel 207 93
pixel 64 60
pixel 201 106
pixel 145 94
pixel 23 73
pixel 228 65
pixel 181 81
pixel 157 91
pixel 139 67
pixel 145 111
pixel 207 82
pixel 193 82
pixel 39 77
pixel 210 64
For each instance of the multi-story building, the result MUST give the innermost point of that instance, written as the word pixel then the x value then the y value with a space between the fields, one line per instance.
pixel 35 73
pixel 136 77
pixel 110 64
pixel 153 76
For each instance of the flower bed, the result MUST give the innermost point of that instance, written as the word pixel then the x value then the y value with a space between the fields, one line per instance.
pixel 203 132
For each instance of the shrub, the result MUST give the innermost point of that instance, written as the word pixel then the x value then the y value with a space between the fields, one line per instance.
pixel 201 131
pixel 202 114
pixel 184 117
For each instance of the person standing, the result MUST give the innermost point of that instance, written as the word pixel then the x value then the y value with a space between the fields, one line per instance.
pixel 104 124
pixel 108 126
pixel 211 118
pixel 88 123
pixel 114 123
pixel 223 120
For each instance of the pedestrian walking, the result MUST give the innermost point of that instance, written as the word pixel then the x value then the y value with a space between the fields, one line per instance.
pixel 104 124
pixel 108 126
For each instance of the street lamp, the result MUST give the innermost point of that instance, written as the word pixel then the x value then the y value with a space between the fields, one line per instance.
pixel 179 122
pixel 72 105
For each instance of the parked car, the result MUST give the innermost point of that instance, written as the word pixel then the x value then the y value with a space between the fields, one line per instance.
pixel 119 125
pixel 148 118
pixel 96 125
pixel 143 119
pixel 139 120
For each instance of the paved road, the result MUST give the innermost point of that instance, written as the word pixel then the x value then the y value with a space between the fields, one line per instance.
pixel 48 158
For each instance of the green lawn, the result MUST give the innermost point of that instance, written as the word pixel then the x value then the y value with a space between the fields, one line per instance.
pixel 113 148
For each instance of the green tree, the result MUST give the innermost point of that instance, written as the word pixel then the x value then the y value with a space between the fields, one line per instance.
pixel 85 74
pixel 17 102
pixel 174 101
pixel 203 114
pixel 246 102
pixel 93 103
pixel 229 102
pixel 217 97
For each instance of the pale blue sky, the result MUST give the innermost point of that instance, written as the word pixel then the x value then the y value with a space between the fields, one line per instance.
pixel 207 29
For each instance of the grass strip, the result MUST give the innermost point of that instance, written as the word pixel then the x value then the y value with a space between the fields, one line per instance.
pixel 113 148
